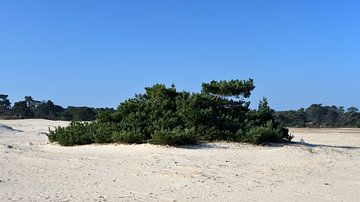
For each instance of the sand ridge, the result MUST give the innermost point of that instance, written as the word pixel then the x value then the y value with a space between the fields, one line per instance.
pixel 324 165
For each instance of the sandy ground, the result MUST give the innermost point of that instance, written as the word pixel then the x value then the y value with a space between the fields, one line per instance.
pixel 325 166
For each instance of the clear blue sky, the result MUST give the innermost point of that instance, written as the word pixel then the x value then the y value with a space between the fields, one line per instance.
pixel 98 53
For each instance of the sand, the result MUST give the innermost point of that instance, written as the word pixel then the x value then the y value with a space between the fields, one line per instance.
pixel 324 165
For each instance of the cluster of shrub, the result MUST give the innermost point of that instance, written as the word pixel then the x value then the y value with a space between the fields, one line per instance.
pixel 30 108
pixel 168 117
pixel 320 116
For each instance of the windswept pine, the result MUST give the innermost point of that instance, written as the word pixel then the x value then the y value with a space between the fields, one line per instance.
pixel 166 116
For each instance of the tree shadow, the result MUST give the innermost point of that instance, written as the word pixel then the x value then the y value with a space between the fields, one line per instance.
pixel 268 144
pixel 4 128
pixel 203 146
pixel 324 146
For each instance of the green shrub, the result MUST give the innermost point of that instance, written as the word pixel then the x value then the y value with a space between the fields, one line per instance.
pixel 176 136
pixel 128 137
pixel 267 133
pixel 206 133
pixel 168 117
pixel 78 133
pixel 75 134
pixel 101 132
pixel 104 116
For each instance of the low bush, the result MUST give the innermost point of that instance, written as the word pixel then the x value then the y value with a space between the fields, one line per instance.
pixel 128 137
pixel 102 132
pixel 267 133
pixel 176 136
pixel 80 133
pixel 75 134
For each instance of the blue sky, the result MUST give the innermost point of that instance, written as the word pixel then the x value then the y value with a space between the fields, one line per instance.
pixel 98 53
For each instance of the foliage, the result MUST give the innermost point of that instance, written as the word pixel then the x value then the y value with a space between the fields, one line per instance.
pixel 81 113
pixel 166 116
pixel 102 132
pixel 79 133
pixel 5 104
pixel 104 115
pixel 235 88
pixel 177 136
pixel 22 110
pixel 30 108
pixel 128 137
pixel 318 115
pixel 76 134
pixel 267 133
pixel 48 110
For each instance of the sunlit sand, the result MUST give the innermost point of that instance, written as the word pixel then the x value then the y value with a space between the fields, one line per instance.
pixel 322 165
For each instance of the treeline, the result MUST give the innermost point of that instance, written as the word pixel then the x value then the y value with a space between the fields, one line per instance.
pixel 166 116
pixel 318 115
pixel 30 108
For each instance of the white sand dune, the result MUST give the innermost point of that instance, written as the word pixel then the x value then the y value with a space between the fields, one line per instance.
pixel 324 167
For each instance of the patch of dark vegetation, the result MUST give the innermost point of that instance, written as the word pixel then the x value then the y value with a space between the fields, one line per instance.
pixel 319 116
pixel 31 108
pixel 166 116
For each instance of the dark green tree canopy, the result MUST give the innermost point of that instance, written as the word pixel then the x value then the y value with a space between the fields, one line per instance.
pixel 318 115
pixel 31 108
pixel 352 109
pixel 232 88
pixel 5 104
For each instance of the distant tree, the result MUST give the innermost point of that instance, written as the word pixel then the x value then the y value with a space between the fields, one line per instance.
pixel 341 109
pixel 28 100
pixel 31 103
pixel 352 109
pixel 31 108
pixel 320 116
pixel 48 110
pixel 81 113
pixel 292 118
pixel 316 114
pixel 5 105
pixel 331 117
pixel 353 119
pixel 300 118
pixel 21 110
pixel 66 115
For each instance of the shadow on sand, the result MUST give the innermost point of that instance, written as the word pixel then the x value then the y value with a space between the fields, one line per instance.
pixel 4 128
pixel 310 145
pixel 324 145
pixel 294 143
pixel 203 146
